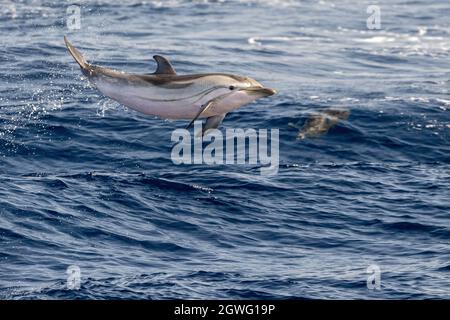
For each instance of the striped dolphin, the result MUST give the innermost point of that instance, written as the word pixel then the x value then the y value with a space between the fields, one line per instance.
pixel 168 95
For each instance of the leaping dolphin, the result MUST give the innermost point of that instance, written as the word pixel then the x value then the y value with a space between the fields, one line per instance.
pixel 168 95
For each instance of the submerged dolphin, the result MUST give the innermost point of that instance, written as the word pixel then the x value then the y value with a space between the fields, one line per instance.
pixel 319 123
pixel 168 95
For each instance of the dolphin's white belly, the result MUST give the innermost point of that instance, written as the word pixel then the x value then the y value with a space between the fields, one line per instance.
pixel 160 102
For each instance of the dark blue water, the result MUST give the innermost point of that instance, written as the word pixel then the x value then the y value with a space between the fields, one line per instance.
pixel 87 182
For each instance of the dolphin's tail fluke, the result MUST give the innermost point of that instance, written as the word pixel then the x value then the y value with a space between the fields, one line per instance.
pixel 76 54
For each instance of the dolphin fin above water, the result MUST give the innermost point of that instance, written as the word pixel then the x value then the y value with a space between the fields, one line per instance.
pixel 171 96
pixel 164 66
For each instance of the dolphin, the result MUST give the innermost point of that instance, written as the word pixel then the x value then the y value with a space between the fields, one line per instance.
pixel 167 95
pixel 320 123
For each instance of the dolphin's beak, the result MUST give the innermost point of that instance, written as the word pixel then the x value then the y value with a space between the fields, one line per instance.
pixel 260 91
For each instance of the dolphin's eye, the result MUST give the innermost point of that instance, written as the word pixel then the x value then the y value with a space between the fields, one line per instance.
pixel 231 87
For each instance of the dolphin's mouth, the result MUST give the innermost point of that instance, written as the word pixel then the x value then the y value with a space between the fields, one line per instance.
pixel 259 91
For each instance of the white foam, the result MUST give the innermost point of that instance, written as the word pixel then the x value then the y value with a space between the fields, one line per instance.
pixel 259 40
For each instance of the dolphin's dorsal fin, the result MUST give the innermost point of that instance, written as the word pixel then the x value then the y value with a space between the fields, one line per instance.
pixel 164 66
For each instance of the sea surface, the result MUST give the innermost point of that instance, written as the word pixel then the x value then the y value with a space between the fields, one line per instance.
pixel 361 212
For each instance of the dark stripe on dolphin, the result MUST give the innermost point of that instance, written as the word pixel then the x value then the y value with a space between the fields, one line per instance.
pixel 173 81
pixel 202 94
pixel 163 81
pixel 168 82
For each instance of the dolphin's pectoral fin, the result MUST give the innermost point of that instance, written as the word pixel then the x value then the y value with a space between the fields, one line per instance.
pixel 164 66
pixel 212 123
pixel 203 108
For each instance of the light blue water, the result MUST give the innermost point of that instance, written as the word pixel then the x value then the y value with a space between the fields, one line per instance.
pixel 87 182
